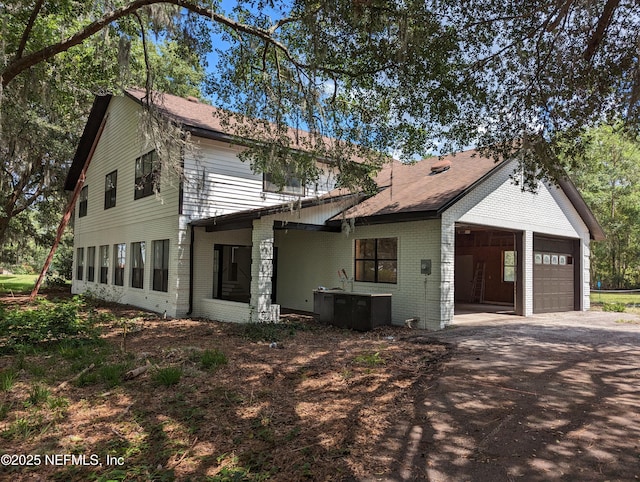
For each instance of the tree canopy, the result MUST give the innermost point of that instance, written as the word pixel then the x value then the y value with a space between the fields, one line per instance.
pixel 520 79
pixel 609 178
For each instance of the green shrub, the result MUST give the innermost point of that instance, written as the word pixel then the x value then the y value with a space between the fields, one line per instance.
pixel 49 321
pixel 212 359
pixel 168 376
pixel 616 307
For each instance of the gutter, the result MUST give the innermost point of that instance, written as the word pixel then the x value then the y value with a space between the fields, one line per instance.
pixel 191 249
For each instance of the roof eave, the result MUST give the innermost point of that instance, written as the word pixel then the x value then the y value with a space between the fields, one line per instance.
pixel 247 216
pixel 91 129
pixel 571 191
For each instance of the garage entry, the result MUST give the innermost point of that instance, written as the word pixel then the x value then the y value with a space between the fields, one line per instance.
pixel 555 269
pixel 485 266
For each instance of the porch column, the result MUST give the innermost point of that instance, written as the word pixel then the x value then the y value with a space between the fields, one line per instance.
pixel 527 272
pixel 261 270
pixel 447 273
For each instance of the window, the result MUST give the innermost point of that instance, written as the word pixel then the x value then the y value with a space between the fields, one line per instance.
pixel 104 263
pixel 80 264
pixel 84 200
pixel 232 273
pixel 377 260
pixel 138 252
pixel 161 265
pixel 290 184
pixel 91 263
pixel 147 175
pixel 119 256
pixel 110 183
pixel 508 266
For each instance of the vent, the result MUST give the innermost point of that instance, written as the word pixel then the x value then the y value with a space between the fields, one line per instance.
pixel 440 166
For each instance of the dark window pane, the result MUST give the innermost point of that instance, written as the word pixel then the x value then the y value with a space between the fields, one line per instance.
pixel 91 263
pixel 110 183
pixel 137 264
pixel 147 176
pixel 388 248
pixel 80 264
pixel 84 197
pixel 365 271
pixel 387 271
pixel 365 248
pixel 290 185
pixel 161 265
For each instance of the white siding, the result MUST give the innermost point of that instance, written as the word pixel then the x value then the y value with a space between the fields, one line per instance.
pixel 219 183
pixel 147 219
pixel 547 211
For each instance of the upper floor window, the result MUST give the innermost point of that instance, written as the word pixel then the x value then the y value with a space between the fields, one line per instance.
pixel 161 265
pixel 377 260
pixel 110 183
pixel 84 200
pixel 290 184
pixel 147 175
pixel 119 257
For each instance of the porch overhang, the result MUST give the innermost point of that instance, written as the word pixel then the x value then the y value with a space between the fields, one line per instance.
pixel 244 219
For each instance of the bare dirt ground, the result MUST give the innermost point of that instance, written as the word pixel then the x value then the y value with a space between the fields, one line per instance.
pixel 545 398
pixel 552 397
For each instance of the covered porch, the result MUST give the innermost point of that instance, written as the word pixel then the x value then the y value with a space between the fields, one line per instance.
pixel 245 266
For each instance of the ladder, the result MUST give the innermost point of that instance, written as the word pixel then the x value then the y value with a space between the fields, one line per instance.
pixel 477 292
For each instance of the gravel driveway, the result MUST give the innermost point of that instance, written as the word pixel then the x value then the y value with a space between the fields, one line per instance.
pixel 551 397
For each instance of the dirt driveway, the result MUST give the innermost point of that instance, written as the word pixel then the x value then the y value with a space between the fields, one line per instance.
pixel 552 397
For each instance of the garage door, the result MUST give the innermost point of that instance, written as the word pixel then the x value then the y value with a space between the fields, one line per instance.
pixel 553 274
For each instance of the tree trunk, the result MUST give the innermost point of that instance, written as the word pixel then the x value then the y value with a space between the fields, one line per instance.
pixel 4 225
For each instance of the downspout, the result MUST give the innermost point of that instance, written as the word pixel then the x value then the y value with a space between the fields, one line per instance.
pixel 191 245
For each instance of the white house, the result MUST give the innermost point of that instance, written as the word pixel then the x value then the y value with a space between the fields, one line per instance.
pixel 226 245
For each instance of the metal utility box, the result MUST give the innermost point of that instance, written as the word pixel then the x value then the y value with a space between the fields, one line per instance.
pixel 356 311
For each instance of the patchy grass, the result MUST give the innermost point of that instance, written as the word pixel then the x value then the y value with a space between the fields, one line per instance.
pixel 628 321
pixel 627 299
pixel 17 283
pixel 168 376
pixel 216 402
pixel 212 359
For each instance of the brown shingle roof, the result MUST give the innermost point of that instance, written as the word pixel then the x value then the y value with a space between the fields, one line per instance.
pixel 407 190
pixel 187 112
pixel 205 120
pixel 413 188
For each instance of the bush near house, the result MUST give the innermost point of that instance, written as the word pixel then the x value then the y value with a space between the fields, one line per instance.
pixel 46 321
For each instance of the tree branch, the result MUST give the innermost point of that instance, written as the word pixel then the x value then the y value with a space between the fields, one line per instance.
pixel 27 29
pixel 603 24
pixel 147 67
pixel 21 64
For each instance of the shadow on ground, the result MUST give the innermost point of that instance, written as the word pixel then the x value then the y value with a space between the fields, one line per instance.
pixel 552 398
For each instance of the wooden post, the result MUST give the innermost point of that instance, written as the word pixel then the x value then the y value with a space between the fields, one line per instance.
pixel 67 215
